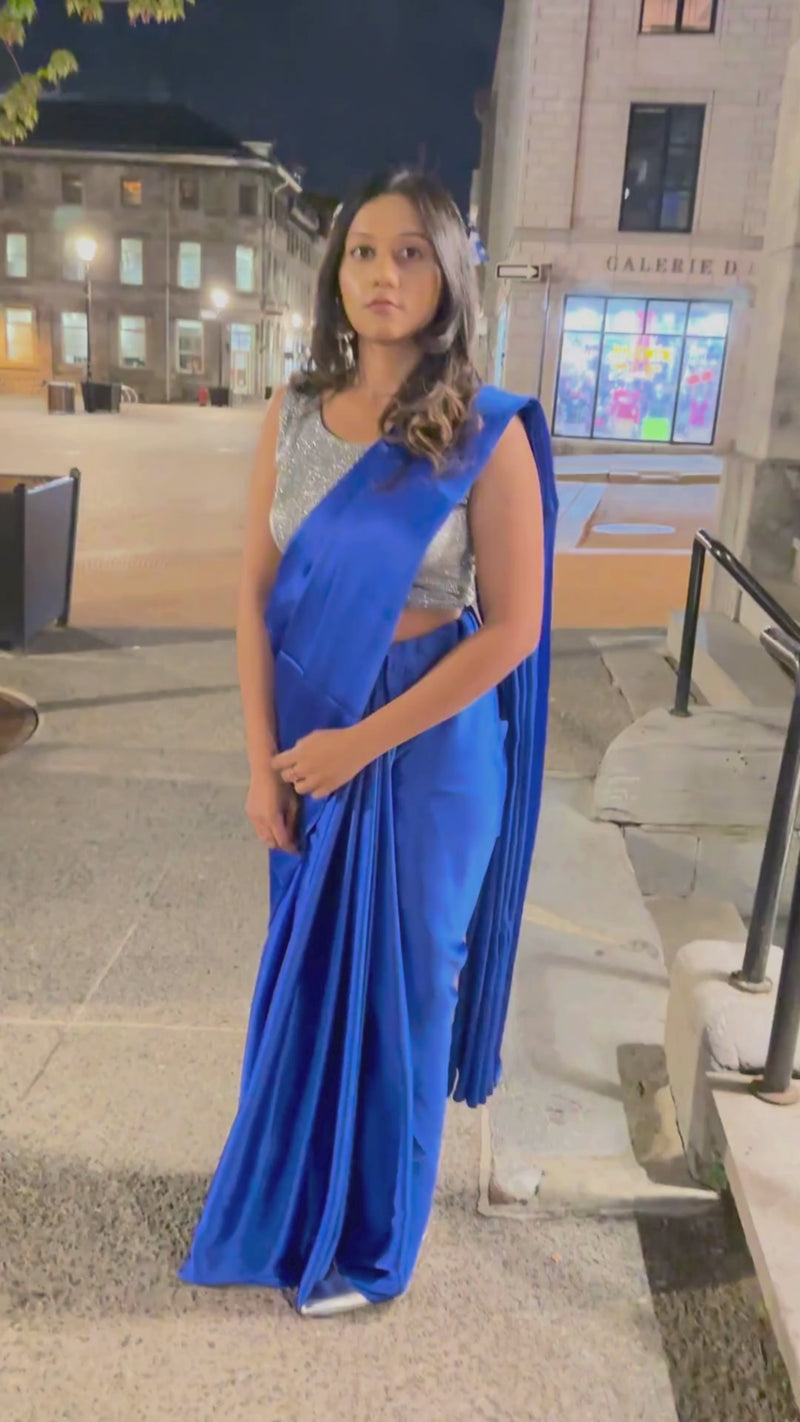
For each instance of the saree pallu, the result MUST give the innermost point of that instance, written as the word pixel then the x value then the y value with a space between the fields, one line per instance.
pixel 385 978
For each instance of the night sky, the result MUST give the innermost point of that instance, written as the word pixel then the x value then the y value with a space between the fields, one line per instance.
pixel 342 86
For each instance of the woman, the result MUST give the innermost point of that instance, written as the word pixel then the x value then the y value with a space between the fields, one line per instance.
pixel 396 787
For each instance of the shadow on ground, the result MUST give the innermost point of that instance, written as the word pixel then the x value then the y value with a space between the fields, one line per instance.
pixel 723 1358
pixel 90 1242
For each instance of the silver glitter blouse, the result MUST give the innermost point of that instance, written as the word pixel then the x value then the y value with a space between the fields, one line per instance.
pixel 310 460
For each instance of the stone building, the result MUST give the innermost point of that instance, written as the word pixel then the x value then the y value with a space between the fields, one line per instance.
pixel 186 220
pixel 627 154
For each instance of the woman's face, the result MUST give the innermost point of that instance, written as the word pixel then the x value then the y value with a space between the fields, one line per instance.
pixel 389 277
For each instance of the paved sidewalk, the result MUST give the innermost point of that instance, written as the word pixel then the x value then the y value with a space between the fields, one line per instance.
pixel 162 509
pixel 133 911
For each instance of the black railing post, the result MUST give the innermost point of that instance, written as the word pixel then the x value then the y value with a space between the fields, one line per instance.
pixel 75 476
pixel 776 1084
pixel 683 689
pixel 776 854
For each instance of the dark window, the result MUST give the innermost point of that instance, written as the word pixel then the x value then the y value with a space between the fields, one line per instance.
pixel 131 192
pixel 13 188
pixel 661 167
pixel 638 369
pixel 248 200
pixel 189 194
pixel 683 17
pixel 71 190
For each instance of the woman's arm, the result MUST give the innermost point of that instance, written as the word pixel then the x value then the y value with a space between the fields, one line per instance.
pixel 268 805
pixel 507 531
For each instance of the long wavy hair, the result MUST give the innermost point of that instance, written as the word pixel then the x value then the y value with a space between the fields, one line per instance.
pixel 432 412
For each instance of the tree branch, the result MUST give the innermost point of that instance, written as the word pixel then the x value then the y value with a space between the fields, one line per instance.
pixel 19 103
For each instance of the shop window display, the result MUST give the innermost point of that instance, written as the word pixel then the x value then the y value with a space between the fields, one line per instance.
pixel 633 369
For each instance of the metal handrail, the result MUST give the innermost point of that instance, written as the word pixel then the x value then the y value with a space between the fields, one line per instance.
pixel 782 820
pixel 705 544
pixel 782 642
pixel 776 1084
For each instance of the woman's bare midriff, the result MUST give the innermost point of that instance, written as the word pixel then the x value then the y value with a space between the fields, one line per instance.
pixel 419 621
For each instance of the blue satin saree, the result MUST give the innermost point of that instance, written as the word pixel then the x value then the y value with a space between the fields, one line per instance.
pixel 385 978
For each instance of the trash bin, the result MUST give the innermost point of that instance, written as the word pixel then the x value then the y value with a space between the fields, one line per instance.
pixel 60 397
pixel 101 397
pixel 38 528
pixel 219 395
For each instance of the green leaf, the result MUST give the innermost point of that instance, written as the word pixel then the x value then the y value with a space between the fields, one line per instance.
pixel 59 66
pixel 164 12
pixel 89 12
pixel 15 15
pixel 19 108
pixel 22 10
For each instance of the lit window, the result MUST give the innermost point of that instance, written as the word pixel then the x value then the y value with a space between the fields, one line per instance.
pixel 248 200
pixel 189 347
pixel 633 369
pixel 188 194
pixel 133 342
pixel 190 266
pixel 243 342
pixel 245 269
pixel 19 338
pixel 74 344
pixel 71 190
pixel 661 167
pixel 131 261
pixel 131 192
pixel 669 17
pixel 16 255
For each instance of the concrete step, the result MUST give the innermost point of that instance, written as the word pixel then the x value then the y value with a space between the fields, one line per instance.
pixel 716 1041
pixel 731 668
pixel 716 768
pixel 694 797
pixel 583 1119
pixel 637 665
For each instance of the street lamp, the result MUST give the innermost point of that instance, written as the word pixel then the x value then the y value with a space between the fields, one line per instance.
pixel 219 300
pixel 86 248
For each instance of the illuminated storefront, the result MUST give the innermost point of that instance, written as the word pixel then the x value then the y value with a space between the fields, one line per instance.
pixel 633 368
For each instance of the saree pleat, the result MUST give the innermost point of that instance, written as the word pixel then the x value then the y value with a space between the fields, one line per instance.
pixel 352 1016
pixel 485 986
pixel 386 973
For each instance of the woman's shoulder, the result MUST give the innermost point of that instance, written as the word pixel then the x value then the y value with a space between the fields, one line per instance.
pixel 491 400
pixel 294 399
pixel 291 405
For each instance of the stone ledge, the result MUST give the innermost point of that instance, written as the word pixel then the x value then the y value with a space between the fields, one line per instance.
pixel 714 768
pixel 761 1155
pixel 716 1040
pixel 711 1027
pixel 709 862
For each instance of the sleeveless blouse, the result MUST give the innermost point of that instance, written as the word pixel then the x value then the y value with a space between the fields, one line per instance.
pixel 310 460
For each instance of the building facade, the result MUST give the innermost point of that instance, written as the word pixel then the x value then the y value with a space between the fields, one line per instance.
pixel 205 265
pixel 625 174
